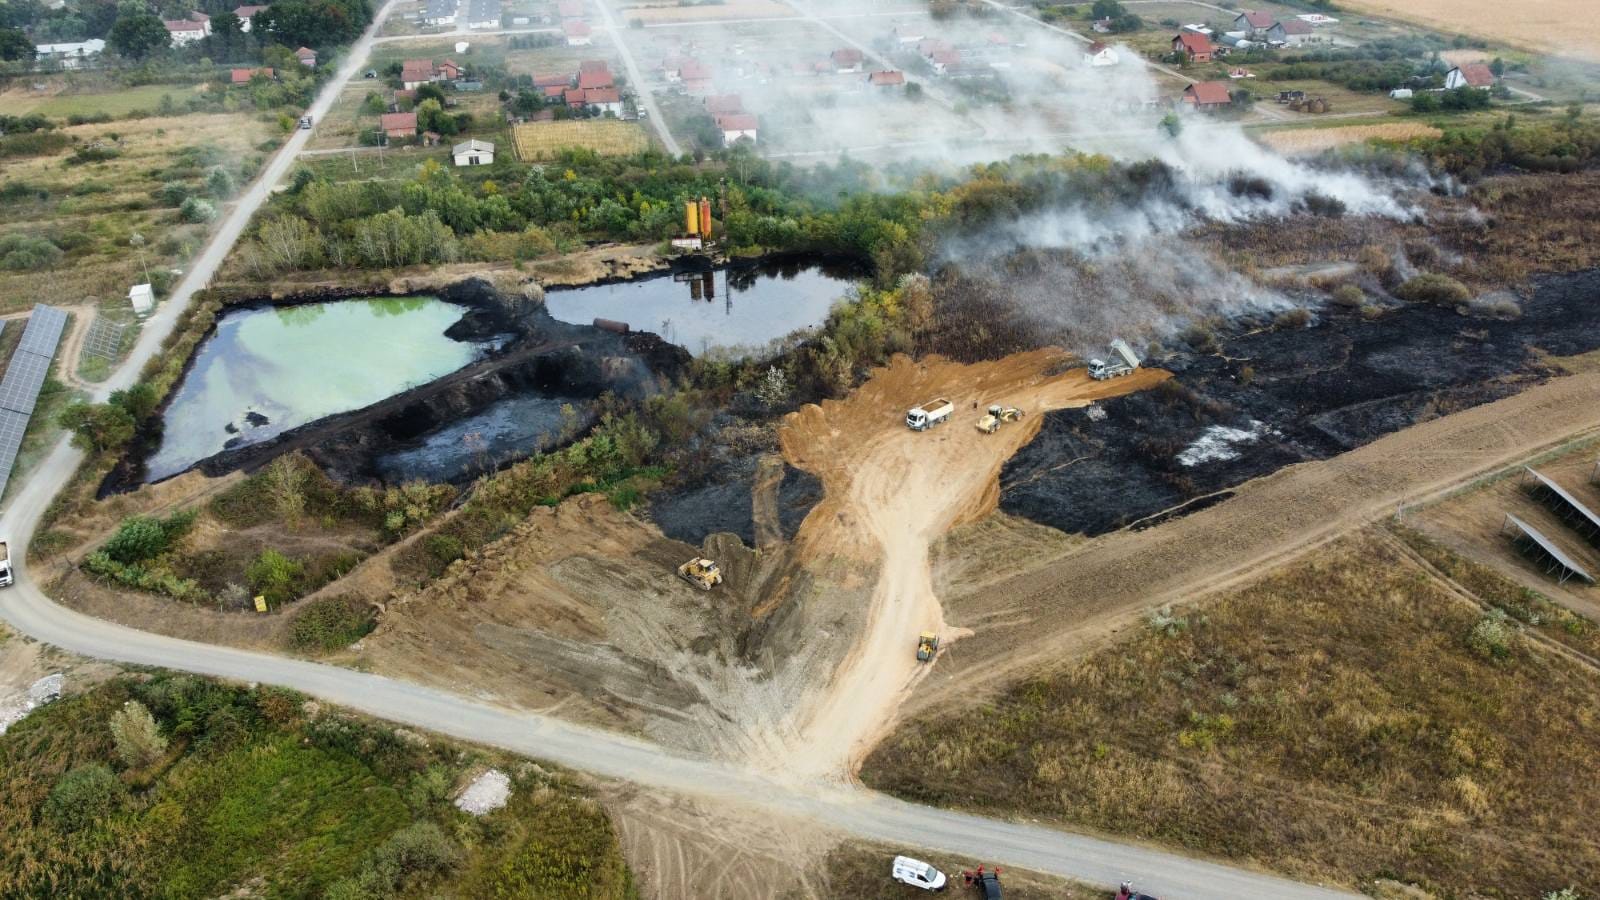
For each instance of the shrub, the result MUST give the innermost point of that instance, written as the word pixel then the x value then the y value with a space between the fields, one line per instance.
pixel 173 193
pixel 1434 288
pixel 82 796
pixel 97 427
pixel 274 576
pixel 27 252
pixel 1349 296
pixel 1292 319
pixel 410 855
pixel 196 210
pixel 330 623
pixel 141 538
pixel 139 743
pixel 1493 636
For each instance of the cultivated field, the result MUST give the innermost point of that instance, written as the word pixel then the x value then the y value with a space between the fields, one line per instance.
pixel 1559 26
pixel 1348 718
pixel 59 101
pixel 670 13
pixel 1315 140
pixel 539 141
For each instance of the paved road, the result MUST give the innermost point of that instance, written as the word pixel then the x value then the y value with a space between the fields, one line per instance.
pixel 646 97
pixel 601 753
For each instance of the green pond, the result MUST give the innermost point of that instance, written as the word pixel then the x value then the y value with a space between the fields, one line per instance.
pixel 267 370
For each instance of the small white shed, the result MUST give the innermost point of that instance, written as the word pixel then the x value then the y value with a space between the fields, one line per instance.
pixel 143 298
pixel 473 153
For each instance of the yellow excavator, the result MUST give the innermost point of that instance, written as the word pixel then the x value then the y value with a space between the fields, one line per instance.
pixel 998 414
pixel 700 572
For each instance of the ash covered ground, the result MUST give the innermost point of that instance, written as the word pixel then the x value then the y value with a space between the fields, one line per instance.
pixel 1271 397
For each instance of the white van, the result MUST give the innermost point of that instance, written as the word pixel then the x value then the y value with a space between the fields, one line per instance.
pixel 917 873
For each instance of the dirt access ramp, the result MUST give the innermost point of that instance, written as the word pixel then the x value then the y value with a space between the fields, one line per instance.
pixel 1038 619
pixel 889 493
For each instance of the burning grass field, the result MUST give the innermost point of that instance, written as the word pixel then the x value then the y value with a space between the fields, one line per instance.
pixel 1348 718
pixel 539 141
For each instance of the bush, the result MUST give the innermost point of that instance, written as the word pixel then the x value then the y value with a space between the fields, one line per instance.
pixel 82 796
pixel 330 623
pixel 1292 319
pixel 27 252
pixel 196 210
pixel 139 743
pixel 1494 635
pixel 1349 296
pixel 141 538
pixel 410 855
pixel 274 576
pixel 1434 288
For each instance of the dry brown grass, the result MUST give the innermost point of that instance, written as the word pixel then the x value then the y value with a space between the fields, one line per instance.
pixel 1316 140
pixel 1561 26
pixel 1330 722
pixel 537 141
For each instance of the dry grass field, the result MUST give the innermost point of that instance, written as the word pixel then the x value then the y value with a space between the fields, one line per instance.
pixel 655 13
pixel 539 141
pixel 1558 26
pixel 1315 140
pixel 1347 718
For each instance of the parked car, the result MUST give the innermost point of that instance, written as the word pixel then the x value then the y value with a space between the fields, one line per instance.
pixel 917 873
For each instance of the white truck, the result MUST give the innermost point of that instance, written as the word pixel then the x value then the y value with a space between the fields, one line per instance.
pixel 921 418
pixel 5 564
pixel 1123 362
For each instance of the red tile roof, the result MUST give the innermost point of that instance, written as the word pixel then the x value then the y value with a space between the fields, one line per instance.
pixel 1478 75
pixel 1295 26
pixel 245 12
pixel 602 95
pixel 573 96
pixel 552 80
pixel 847 56
pixel 183 25
pixel 887 79
pixel 737 122
pixel 724 103
pixel 392 122
pixel 243 76
pixel 1194 43
pixel 1259 19
pixel 1208 93
pixel 593 79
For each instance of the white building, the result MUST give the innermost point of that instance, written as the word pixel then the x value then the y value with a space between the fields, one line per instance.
pixel 70 56
pixel 246 15
pixel 483 14
pixel 439 12
pixel 143 298
pixel 578 33
pixel 186 31
pixel 1099 55
pixel 473 153
pixel 736 127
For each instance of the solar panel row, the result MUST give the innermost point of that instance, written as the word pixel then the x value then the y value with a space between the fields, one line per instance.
pixel 19 389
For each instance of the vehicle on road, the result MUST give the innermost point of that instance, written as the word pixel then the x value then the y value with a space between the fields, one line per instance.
pixel 997 416
pixel 700 572
pixel 917 873
pixel 1126 892
pixel 5 564
pixel 927 646
pixel 305 123
pixel 921 418
pixel 1123 362
pixel 987 883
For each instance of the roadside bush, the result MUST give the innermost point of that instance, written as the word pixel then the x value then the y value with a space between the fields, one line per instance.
pixel 140 538
pixel 330 623
pixel 196 210
pixel 97 427
pixel 83 796
pixel 1434 288
pixel 274 576
pixel 27 252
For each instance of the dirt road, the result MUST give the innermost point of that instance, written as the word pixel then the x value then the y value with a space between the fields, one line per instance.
pixel 890 492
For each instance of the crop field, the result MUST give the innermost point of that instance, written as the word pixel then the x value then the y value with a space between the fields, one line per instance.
pixel 1315 140
pixel 662 14
pixel 1539 24
pixel 536 141
pixel 58 103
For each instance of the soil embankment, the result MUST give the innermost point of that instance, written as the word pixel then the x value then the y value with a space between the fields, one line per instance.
pixel 889 493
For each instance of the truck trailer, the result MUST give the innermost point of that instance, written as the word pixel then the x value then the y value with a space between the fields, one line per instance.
pixel 921 418
pixel 1123 362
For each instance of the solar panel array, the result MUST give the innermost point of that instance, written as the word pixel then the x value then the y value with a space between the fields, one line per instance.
pixel 1550 549
pixel 19 390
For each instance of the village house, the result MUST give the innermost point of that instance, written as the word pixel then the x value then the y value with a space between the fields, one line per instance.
pixel 671 68
pixel 187 31
pixel 888 78
pixel 553 85
pixel 307 57
pixel 578 33
pixel 595 73
pixel 1291 33
pixel 570 9
pixel 736 127
pixel 246 15
pixel 1194 47
pixel 1100 55
pixel 1253 23
pixel 473 153
pixel 74 55
pixel 945 61
pixel 439 12
pixel 398 125
pixel 696 77
pixel 719 104
pixel 415 73
pixel 603 100
pixel 1208 95
pixel 243 76
pixel 1473 75
pixel 847 60
pixel 483 14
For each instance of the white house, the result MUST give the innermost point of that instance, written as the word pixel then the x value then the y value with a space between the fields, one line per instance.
pixel 1100 54
pixel 578 33
pixel 1473 75
pixel 247 14
pixel 439 12
pixel 186 31
pixel 473 153
pixel 1292 33
pixel 70 56
pixel 143 299
pixel 736 127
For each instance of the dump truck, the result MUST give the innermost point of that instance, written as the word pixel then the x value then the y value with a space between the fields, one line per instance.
pixel 700 572
pixel 1123 362
pixel 921 418
pixel 927 646
pixel 5 564
pixel 996 416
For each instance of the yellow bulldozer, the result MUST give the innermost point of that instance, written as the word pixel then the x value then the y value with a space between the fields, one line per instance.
pixel 927 646
pixel 998 415
pixel 700 572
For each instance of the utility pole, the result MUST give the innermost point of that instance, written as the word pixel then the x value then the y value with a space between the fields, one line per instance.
pixel 137 240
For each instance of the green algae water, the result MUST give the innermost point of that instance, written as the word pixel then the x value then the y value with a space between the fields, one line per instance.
pixel 265 371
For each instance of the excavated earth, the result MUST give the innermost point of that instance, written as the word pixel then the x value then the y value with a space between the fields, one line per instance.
pixel 1272 397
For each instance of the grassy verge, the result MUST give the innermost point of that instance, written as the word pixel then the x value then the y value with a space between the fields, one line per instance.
pixel 254 790
pixel 1343 720
pixel 861 871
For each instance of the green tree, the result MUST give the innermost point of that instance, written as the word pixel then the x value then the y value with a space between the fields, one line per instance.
pixel 82 796
pixel 138 35
pixel 14 45
pixel 273 575
pixel 97 427
pixel 137 539
pixel 140 400
pixel 139 742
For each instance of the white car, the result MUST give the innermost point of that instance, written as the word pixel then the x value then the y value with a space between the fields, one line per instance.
pixel 917 873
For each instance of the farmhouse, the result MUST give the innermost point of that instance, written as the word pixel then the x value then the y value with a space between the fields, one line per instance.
pixel 944 61
pixel 473 153
pixel 186 31
pixel 482 14
pixel 1208 95
pixel 1099 55
pixel 243 76
pixel 605 100
pixel 736 127
pixel 1292 33
pixel 888 78
pixel 595 73
pixel 246 14
pixel 415 73
pixel 398 125
pixel 719 104
pixel 439 12
pixel 307 57
pixel 553 85
pixel 1254 23
pixel 1473 75
pixel 1196 47
pixel 578 33
pixel 696 77
pixel 846 60
pixel 71 55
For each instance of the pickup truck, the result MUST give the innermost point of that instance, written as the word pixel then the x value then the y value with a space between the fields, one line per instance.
pixel 921 418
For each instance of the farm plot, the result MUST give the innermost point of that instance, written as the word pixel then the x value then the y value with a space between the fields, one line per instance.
pixel 541 141
pixel 1540 24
